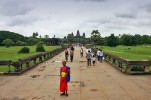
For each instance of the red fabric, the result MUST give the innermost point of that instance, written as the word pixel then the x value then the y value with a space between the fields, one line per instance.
pixel 63 83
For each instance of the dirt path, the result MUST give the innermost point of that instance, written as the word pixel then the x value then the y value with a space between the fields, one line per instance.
pixel 100 82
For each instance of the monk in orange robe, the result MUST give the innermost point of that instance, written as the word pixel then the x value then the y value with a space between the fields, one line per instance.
pixel 63 82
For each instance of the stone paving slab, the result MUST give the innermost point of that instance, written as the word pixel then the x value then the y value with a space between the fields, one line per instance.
pixel 99 82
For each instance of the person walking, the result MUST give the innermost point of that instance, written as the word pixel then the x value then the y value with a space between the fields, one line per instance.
pixel 71 55
pixel 66 54
pixel 72 48
pixel 63 81
pixel 94 60
pixel 81 52
pixel 88 56
pixel 101 56
pixel 98 54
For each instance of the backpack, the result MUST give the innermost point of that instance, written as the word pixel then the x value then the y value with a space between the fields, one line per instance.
pixel 68 75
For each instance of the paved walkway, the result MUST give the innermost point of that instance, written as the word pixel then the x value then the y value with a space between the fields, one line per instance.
pixel 100 82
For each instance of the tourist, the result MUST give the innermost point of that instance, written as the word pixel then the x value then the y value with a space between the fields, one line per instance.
pixel 101 56
pixel 71 55
pixel 66 54
pixel 63 82
pixel 88 56
pixel 98 54
pixel 88 49
pixel 81 52
pixel 72 48
pixel 94 59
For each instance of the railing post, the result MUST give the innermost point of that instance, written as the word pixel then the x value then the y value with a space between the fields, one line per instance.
pixel 35 61
pixel 17 66
pixel 119 64
pixel 44 56
pixel 127 68
pixel 27 64
pixel 9 66
pixel 20 64
pixel 40 58
pixel 113 61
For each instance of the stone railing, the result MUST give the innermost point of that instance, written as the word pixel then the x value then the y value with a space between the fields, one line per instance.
pixel 6 63
pixel 126 66
pixel 25 64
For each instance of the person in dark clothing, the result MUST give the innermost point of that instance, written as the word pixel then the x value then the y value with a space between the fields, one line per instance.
pixel 89 56
pixel 72 48
pixel 71 55
pixel 66 54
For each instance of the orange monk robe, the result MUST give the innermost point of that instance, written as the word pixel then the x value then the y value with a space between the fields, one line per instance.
pixel 63 83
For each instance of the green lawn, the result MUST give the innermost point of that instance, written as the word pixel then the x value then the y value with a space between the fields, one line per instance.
pixel 142 52
pixel 12 52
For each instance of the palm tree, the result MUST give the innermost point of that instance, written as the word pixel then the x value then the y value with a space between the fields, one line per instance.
pixel 95 36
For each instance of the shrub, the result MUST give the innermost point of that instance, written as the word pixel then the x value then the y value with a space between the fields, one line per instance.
pixel 137 68
pixel 40 47
pixel 24 50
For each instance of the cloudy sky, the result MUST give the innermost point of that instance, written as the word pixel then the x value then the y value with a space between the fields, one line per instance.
pixel 60 17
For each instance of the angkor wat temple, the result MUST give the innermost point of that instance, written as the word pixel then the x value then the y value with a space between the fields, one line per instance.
pixel 78 37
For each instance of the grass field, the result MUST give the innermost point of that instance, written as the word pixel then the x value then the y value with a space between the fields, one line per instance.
pixel 142 52
pixel 12 52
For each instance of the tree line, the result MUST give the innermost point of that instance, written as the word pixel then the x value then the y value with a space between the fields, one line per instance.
pixel 13 39
pixel 8 39
pixel 125 39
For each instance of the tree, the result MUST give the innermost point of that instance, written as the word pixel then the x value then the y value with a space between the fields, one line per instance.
pixel 101 41
pixel 126 39
pixel 83 41
pixel 65 37
pixel 35 34
pixel 32 41
pixel 138 39
pixel 10 35
pixel 112 41
pixel 46 36
pixel 145 39
pixel 70 38
pixel 134 41
pixel 95 36
pixel 23 44
pixel 20 43
pixel 8 42
pixel 40 47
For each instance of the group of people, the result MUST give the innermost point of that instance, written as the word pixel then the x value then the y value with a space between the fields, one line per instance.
pixel 65 70
pixel 97 55
pixel 71 51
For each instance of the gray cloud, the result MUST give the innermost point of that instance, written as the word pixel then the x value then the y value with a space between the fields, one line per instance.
pixel 93 0
pixel 145 6
pixel 126 15
pixel 60 17
pixel 14 8
pixel 18 21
